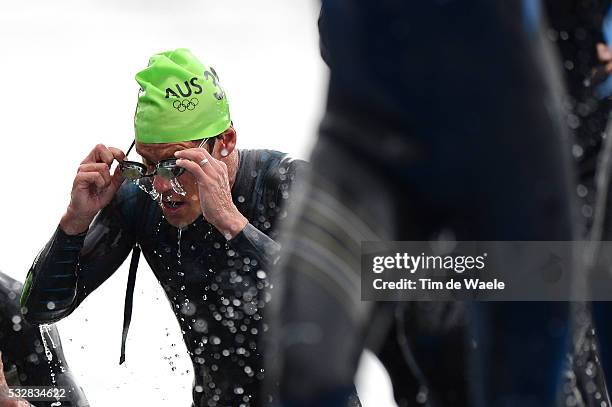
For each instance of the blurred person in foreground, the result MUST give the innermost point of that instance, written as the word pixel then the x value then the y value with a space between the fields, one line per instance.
pixel 32 355
pixel 208 233
pixel 443 119
pixel 582 32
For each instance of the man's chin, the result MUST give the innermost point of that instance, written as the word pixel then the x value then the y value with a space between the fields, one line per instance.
pixel 179 220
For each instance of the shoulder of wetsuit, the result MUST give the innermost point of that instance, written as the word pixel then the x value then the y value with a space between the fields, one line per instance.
pixel 282 176
pixel 294 166
pixel 280 169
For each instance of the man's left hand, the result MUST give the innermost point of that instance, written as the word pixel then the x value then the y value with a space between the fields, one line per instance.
pixel 214 190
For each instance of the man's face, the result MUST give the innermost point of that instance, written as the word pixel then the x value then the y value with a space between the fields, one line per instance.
pixel 179 210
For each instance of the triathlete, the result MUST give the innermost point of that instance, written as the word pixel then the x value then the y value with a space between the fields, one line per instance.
pixel 209 235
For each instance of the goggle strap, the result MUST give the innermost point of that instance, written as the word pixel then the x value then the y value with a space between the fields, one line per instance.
pixel 130 149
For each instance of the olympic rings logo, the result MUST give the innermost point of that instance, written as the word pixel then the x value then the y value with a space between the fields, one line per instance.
pixel 185 104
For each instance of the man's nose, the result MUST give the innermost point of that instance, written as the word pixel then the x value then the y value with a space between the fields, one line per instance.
pixel 161 184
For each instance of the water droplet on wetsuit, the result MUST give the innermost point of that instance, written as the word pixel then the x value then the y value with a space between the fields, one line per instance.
pixel 250 308
pixel 577 151
pixel 188 309
pixel 200 326
pixel 422 395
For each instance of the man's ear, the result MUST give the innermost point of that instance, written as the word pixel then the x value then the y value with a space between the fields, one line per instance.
pixel 225 144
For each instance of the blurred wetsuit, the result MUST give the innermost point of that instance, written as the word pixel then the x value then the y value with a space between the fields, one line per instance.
pixel 215 286
pixel 23 351
pixel 443 120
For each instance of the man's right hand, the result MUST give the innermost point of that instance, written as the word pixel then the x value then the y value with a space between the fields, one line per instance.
pixel 92 189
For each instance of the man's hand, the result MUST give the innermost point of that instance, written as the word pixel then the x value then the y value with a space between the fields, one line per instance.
pixel 5 401
pixel 604 53
pixel 92 189
pixel 214 190
pixel 600 72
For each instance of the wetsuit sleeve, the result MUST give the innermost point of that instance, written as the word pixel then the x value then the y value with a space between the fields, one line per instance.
pixel 253 243
pixel 71 267
pixel 282 181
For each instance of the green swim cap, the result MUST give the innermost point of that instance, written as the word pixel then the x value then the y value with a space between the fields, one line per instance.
pixel 180 100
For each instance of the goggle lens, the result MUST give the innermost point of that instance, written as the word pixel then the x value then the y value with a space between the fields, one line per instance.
pixel 168 169
pixel 132 170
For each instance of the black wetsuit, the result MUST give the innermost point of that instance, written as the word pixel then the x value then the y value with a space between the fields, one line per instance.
pixel 215 286
pixel 23 350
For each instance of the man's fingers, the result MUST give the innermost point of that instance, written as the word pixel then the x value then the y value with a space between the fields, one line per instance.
pixel 193 154
pixel 101 168
pixel 86 179
pixel 194 168
pixel 103 154
pixel 118 154
pixel 197 155
pixel 117 178
pixel 100 154
pixel 90 167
